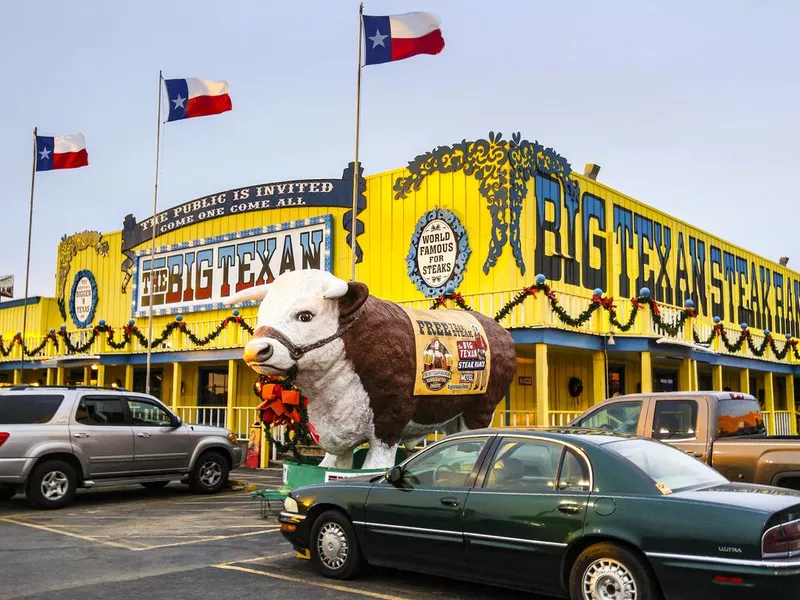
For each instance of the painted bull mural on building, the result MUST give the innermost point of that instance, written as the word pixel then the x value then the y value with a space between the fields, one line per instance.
pixel 356 359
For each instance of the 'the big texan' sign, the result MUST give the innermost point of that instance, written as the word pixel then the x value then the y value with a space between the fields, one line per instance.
pixel 199 275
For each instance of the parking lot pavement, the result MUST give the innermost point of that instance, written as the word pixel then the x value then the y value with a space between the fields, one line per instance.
pixel 129 542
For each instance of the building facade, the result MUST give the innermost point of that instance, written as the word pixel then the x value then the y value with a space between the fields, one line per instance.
pixel 603 294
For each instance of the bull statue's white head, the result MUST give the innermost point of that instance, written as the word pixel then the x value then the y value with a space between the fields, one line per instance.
pixel 301 316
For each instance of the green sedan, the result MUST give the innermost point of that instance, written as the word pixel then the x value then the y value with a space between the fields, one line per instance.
pixel 574 513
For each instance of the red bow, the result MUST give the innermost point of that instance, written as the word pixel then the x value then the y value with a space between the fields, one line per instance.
pixel 279 406
pixel 607 302
pixel 531 291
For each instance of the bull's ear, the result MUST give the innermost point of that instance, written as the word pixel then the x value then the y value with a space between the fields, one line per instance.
pixel 357 294
pixel 254 293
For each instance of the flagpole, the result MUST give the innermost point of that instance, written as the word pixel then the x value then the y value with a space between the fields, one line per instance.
pixel 28 264
pixel 153 241
pixel 356 170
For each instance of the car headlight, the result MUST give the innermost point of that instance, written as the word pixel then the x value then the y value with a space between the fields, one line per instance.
pixel 290 505
pixel 232 438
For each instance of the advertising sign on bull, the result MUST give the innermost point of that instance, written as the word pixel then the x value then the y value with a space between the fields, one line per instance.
pixel 451 351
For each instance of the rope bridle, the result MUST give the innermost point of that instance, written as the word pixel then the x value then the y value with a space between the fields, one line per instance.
pixel 296 352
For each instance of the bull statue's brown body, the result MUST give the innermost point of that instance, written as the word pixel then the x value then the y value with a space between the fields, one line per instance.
pixel 354 357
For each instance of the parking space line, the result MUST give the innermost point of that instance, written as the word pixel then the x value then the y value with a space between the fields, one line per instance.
pixel 85 538
pixel 215 538
pixel 329 586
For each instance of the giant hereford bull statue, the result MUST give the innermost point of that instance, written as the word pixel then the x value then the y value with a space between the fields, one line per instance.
pixel 372 370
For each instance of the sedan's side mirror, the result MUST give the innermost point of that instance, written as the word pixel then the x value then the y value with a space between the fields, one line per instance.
pixel 394 475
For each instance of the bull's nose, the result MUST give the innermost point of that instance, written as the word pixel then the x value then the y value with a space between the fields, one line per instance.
pixel 258 351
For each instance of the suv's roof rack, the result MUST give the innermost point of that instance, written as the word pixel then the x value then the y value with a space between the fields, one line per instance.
pixel 27 386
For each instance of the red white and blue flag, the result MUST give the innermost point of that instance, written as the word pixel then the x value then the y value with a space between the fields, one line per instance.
pixel 396 37
pixel 60 152
pixel 190 98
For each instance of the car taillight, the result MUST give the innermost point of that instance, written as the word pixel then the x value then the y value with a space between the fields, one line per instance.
pixel 4 437
pixel 781 540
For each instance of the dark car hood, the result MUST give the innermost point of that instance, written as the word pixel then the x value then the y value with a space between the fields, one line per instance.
pixel 760 498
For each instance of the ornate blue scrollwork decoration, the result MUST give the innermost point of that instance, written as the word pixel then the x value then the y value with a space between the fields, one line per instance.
pixel 87 321
pixel 503 169
pixel 361 205
pixel 447 281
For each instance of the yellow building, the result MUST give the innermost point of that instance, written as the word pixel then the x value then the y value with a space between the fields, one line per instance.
pixel 602 293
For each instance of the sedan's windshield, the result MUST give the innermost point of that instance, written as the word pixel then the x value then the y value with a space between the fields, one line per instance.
pixel 669 468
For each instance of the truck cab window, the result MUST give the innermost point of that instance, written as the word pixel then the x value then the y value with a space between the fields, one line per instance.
pixel 675 419
pixel 618 416
pixel 737 417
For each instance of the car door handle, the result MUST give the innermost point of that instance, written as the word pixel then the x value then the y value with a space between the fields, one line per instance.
pixel 453 502
pixel 570 508
pixel 80 435
pixel 142 434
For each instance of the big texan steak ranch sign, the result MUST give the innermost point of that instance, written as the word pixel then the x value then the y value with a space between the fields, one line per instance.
pixel 201 274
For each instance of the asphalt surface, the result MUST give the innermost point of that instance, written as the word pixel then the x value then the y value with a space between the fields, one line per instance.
pixel 129 542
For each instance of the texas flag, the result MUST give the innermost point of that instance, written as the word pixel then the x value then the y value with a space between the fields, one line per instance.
pixel 196 98
pixel 60 152
pixel 401 36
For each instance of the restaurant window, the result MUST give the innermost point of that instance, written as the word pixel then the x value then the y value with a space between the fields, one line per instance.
pixel 213 389
pixel 140 377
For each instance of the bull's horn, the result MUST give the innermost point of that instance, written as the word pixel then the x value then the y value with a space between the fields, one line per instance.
pixel 254 293
pixel 334 287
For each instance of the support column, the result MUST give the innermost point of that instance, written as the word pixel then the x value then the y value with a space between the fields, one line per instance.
pixel 61 376
pixel 744 381
pixel 769 401
pixel 17 376
pixel 716 378
pixel 685 375
pixel 177 400
pixel 265 448
pixel 695 376
pixel 87 375
pixel 790 403
pixel 51 376
pixel 542 391
pixel 233 377
pixel 129 377
pixel 647 373
pixel 599 384
pixel 101 375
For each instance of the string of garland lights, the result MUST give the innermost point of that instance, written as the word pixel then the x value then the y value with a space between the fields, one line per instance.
pixel 129 331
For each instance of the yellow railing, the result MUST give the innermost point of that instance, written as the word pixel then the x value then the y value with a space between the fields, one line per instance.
pixel 780 422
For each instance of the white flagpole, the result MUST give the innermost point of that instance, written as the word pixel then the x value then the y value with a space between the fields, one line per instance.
pixel 28 264
pixel 153 242
pixel 356 169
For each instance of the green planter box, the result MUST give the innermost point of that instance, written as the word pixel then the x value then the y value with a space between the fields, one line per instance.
pixel 297 475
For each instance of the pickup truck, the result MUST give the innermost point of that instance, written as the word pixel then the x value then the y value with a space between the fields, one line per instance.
pixel 56 439
pixel 725 430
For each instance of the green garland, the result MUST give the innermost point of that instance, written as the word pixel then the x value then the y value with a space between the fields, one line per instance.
pixel 130 331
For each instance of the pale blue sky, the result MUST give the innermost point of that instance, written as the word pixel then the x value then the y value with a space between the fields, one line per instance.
pixel 689 106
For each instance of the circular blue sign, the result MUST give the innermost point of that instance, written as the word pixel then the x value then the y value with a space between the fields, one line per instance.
pixel 438 254
pixel 83 299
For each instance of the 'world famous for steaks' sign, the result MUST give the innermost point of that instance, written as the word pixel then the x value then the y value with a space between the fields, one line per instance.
pixel 452 353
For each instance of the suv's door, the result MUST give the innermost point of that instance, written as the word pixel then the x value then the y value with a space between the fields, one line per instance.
pixel 683 423
pixel 157 445
pixel 525 511
pixel 101 435
pixel 416 523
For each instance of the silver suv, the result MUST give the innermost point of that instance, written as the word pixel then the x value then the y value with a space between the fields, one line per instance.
pixel 54 440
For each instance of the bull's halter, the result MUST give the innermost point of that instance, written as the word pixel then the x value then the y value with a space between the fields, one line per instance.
pixel 296 352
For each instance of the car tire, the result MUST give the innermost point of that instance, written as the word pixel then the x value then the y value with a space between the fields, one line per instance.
pixel 155 485
pixel 52 484
pixel 615 569
pixel 334 547
pixel 210 473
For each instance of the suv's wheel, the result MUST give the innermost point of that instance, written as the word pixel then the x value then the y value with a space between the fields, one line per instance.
pixel 155 485
pixel 210 473
pixel 607 571
pixel 52 484
pixel 334 547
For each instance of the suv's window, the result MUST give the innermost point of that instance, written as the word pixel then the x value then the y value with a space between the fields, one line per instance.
pixel 147 413
pixel 525 465
pixel 675 419
pixel 22 409
pixel 98 410
pixel 738 416
pixel 618 416
pixel 446 466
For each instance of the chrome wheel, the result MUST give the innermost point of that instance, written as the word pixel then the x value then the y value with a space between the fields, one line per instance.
pixel 55 485
pixel 332 545
pixel 210 473
pixel 608 579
